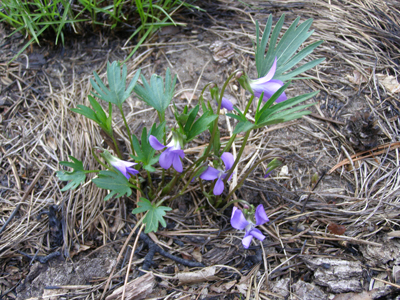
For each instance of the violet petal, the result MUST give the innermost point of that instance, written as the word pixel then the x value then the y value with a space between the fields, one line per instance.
pixel 218 187
pixel 210 174
pixel 166 159
pixel 225 103
pixel 246 241
pixel 269 89
pixel 257 234
pixel 238 221
pixel 228 160
pixel 260 215
pixel 124 167
pixel 177 162
pixel 268 173
pixel 155 143
pixel 267 77
pixel 279 84
pixel 132 171
pixel 179 153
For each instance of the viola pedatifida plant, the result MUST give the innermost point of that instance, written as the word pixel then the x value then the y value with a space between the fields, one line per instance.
pixel 153 155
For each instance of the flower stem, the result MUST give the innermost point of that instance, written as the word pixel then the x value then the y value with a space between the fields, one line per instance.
pixel 232 202
pixel 246 175
pixel 116 146
pixel 248 105
pixel 98 160
pixel 230 142
pixel 171 184
pixel 238 156
pixel 149 180
pixel 232 139
pixel 127 129
pixel 216 120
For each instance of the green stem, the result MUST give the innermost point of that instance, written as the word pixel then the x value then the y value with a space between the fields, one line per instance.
pixel 245 176
pixel 201 185
pixel 170 185
pixel 98 160
pixel 230 142
pixel 162 181
pixel 238 156
pixel 205 155
pixel 232 139
pixel 232 202
pixel 248 105
pixel 149 180
pixel 127 129
pixel 116 146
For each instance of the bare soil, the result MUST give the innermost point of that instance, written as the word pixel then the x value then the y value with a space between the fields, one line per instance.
pixel 338 239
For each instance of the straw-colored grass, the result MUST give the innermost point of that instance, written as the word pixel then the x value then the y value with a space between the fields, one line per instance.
pixel 360 191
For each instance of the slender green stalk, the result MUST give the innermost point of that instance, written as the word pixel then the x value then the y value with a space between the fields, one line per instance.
pixel 127 129
pixel 98 160
pixel 246 136
pixel 149 180
pixel 232 202
pixel 244 177
pixel 201 185
pixel 205 155
pixel 171 184
pixel 229 144
pixel 233 137
pixel 248 105
pixel 116 147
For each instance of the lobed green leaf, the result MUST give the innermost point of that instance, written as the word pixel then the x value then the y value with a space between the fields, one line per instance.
pixel 154 214
pixel 116 182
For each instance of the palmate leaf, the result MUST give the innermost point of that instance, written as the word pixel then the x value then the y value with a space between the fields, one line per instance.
pixel 155 94
pixel 116 182
pixel 154 214
pixel 116 94
pixel 76 177
pixel 285 50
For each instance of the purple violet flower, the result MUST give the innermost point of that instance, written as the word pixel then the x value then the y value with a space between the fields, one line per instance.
pixel 239 221
pixel 212 173
pixel 268 85
pixel 225 103
pixel 125 167
pixel 171 156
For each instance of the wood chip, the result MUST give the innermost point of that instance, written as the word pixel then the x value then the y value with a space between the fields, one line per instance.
pixel 136 289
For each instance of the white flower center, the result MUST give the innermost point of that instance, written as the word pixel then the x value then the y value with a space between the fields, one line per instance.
pixel 249 227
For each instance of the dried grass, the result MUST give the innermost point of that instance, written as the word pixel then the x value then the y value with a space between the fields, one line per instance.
pixel 362 193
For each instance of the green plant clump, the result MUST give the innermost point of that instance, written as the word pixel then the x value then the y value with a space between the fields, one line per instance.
pixel 36 17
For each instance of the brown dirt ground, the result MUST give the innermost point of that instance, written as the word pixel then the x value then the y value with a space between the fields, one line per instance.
pixel 306 254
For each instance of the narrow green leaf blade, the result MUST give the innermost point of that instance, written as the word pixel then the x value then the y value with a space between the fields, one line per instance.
pixel 200 125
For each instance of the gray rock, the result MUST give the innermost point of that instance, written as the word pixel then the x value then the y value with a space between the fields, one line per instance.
pixel 308 291
pixel 281 287
pixel 339 276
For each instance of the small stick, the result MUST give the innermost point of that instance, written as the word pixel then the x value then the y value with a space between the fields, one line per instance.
pixel 130 261
pixel 327 119
pixel 387 282
pixel 362 156
pixel 305 202
pixel 28 191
